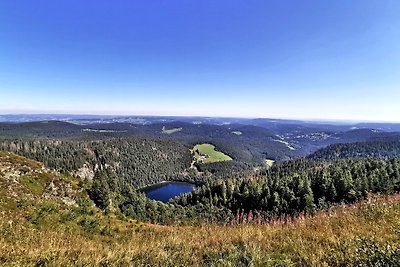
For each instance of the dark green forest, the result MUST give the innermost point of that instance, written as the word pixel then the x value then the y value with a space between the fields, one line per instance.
pixel 138 161
pixel 135 160
pixel 370 149
pixel 251 147
pixel 300 186
pixel 284 191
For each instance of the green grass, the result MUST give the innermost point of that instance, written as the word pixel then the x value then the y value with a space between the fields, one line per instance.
pixel 269 162
pixel 206 153
pixel 33 185
pixel 237 132
pixel 171 131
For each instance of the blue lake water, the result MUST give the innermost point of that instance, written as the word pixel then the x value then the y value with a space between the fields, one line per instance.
pixel 168 190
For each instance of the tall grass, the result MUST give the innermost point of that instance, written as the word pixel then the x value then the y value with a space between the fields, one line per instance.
pixel 365 234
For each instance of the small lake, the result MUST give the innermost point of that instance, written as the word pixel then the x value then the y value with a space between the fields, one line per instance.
pixel 168 190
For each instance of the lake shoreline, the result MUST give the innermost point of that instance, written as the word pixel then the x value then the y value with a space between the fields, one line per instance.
pixel 164 182
pixel 166 190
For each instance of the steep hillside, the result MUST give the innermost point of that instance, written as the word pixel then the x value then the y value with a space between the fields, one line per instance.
pixel 24 181
pixel 139 161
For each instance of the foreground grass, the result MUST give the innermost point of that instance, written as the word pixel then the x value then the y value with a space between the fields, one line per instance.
pixel 211 155
pixel 366 234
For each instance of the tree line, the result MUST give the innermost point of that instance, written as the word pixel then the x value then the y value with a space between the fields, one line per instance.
pixel 300 186
pixel 287 189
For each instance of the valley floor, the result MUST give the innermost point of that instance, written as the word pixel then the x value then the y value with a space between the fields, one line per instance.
pixel 365 234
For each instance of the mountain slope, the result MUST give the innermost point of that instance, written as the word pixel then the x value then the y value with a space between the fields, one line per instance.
pixel 38 229
pixel 23 180
pixel 370 149
pixel 139 161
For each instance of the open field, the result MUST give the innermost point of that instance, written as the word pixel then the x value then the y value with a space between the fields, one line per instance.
pixel 237 132
pixel 170 131
pixel 206 153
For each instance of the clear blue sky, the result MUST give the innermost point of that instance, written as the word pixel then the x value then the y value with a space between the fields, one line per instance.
pixel 286 59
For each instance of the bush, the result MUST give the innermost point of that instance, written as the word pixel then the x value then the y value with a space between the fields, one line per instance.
pixel 90 224
pixel 41 214
pixel 372 253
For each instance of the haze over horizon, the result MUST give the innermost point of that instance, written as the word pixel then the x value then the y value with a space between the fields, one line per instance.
pixel 335 60
pixel 62 116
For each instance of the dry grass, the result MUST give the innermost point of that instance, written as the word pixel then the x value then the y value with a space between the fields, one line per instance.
pixel 346 236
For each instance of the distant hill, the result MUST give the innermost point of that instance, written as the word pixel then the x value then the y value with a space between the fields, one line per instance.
pixel 42 129
pixel 359 134
pixel 252 146
pixel 268 139
pixel 269 123
pixel 370 149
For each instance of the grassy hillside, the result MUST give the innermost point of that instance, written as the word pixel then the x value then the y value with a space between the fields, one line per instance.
pixel 24 182
pixel 206 153
pixel 363 235
pixel 38 227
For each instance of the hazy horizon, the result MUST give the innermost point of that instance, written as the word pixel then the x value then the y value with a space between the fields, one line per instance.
pixel 312 120
pixel 308 60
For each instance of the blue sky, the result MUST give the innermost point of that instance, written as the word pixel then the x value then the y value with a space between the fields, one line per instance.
pixel 283 59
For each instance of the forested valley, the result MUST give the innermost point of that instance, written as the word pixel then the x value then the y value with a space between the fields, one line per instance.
pixel 115 170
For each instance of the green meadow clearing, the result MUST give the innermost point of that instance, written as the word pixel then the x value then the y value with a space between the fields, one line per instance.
pixel 171 131
pixel 237 132
pixel 206 153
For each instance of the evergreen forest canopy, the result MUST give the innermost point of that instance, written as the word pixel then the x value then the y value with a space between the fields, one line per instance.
pixel 371 149
pixel 115 160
